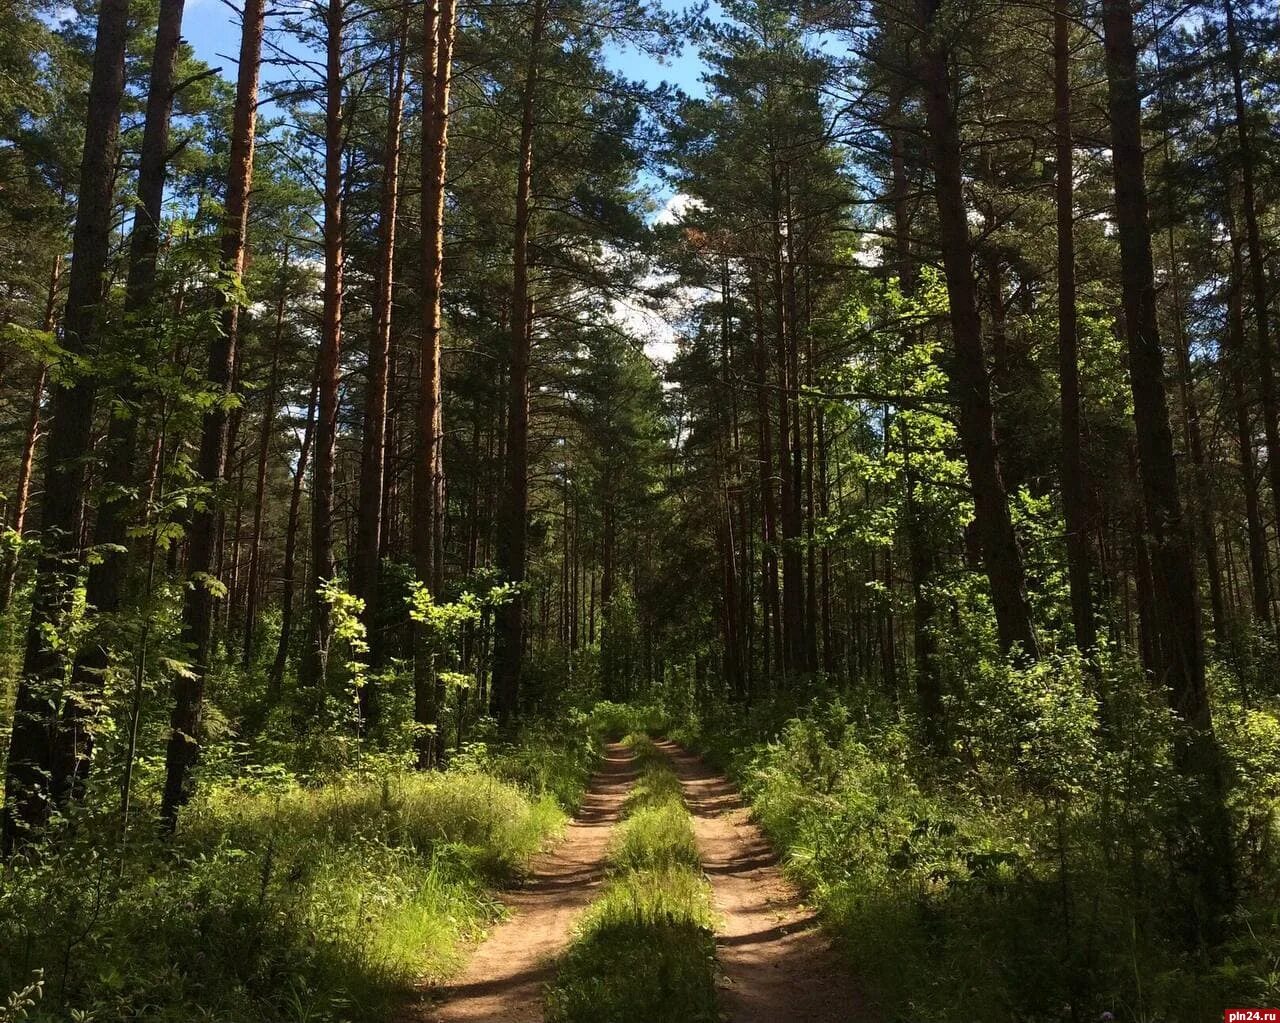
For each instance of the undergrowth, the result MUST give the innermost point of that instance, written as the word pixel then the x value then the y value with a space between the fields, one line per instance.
pixel 281 899
pixel 645 950
pixel 1035 885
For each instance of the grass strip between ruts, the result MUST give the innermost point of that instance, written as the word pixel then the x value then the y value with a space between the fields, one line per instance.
pixel 645 950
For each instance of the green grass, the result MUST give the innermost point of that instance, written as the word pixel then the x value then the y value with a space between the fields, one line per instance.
pixel 645 953
pixel 656 831
pixel 289 903
pixel 654 838
pixel 484 820
pixel 645 950
pixel 653 788
pixel 614 720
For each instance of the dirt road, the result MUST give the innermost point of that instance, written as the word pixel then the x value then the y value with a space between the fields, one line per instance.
pixel 778 965
pixel 506 977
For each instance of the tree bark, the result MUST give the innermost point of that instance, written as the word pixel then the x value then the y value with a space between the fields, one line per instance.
pixel 1075 501
pixel 770 604
pixel 266 431
pixel 429 506
pixel 49 725
pixel 1257 262
pixel 199 605
pixel 288 568
pixel 315 660
pixel 1203 488
pixel 373 453
pixel 1256 529
pixel 789 457
pixel 1001 552
pixel 435 164
pixel 105 589
pixel 1205 834
pixel 512 536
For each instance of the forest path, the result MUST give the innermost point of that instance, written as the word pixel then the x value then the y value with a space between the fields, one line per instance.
pixel 505 980
pixel 777 964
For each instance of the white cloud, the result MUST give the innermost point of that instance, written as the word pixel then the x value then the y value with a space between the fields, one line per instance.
pixel 653 327
pixel 674 209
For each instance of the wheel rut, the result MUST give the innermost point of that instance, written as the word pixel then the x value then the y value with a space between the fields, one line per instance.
pixel 777 965
pixel 508 972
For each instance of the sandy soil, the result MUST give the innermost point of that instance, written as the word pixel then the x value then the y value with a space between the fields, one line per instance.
pixel 778 966
pixel 505 979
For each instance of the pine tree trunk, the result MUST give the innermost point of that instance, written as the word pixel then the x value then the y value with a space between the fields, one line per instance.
pixel 288 568
pixel 202 559
pixel 788 446
pixel 266 431
pixel 49 725
pixel 429 493
pixel 771 625
pixel 315 660
pixel 1257 261
pixel 1205 834
pixel 105 590
pixel 1075 503
pixel 1204 519
pixel 513 525
pixel 1237 361
pixel 366 574
pixel 435 168
pixel 1001 553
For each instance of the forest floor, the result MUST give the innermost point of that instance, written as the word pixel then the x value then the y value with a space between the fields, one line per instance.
pixel 775 962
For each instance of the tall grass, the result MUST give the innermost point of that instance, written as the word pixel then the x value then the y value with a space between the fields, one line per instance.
pixel 284 903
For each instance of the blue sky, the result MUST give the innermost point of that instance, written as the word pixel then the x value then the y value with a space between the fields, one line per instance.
pixel 212 30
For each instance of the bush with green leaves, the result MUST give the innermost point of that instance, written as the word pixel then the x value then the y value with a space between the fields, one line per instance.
pixel 1030 871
